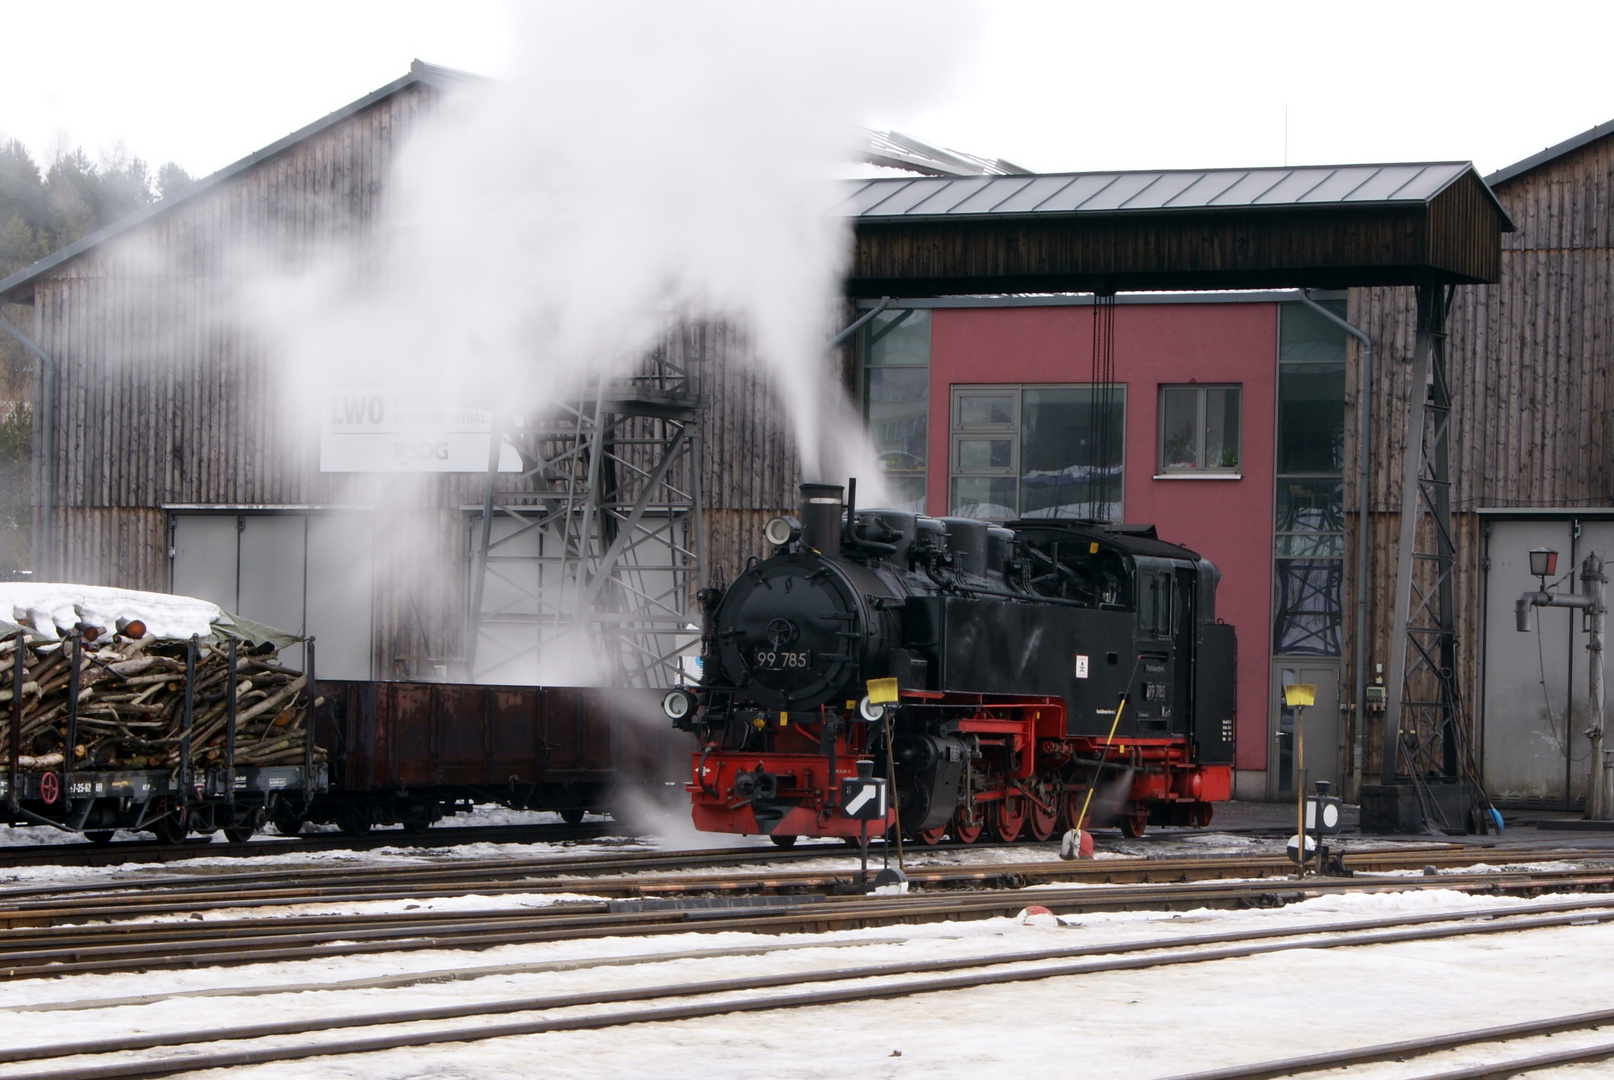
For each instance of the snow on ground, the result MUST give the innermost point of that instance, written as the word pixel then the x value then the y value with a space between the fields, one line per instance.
pixel 1137 1024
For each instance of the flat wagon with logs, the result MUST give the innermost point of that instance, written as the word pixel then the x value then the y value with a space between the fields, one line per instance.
pixel 122 709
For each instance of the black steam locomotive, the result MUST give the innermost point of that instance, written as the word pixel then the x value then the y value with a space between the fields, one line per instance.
pixel 995 675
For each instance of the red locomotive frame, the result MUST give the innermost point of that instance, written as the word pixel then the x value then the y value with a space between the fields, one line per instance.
pixel 1025 777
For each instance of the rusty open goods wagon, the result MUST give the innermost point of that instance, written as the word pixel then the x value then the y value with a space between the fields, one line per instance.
pixel 109 721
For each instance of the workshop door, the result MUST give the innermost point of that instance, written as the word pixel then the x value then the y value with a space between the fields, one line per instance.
pixel 1317 755
pixel 1534 688
pixel 304 573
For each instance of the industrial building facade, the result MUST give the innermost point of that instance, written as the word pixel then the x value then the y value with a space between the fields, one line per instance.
pixel 1225 430
pixel 1230 421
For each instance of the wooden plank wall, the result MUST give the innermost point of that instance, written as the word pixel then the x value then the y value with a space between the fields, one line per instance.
pixel 169 395
pixel 1531 361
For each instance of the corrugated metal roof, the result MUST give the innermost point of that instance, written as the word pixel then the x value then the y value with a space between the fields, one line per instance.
pixel 895 150
pixel 1185 189
pixel 1551 153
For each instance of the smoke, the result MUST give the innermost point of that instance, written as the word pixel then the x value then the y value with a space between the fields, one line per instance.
pixel 639 163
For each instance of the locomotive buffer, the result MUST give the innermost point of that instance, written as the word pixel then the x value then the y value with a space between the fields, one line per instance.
pixel 864 799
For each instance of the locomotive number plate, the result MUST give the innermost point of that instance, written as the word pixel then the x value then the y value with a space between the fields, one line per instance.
pixel 783 659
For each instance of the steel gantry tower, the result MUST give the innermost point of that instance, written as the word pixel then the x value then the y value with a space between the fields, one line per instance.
pixel 584 563
pixel 1427 752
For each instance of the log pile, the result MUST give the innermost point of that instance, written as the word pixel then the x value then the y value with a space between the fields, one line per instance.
pixel 131 698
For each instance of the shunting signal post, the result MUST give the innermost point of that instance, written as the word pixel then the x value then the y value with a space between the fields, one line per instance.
pixel 1320 815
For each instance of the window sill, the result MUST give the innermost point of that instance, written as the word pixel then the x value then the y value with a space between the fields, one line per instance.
pixel 1199 476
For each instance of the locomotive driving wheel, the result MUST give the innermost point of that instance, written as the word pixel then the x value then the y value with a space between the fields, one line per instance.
pixel 1070 809
pixel 931 837
pixel 1008 817
pixel 964 830
pixel 1135 821
pixel 1042 813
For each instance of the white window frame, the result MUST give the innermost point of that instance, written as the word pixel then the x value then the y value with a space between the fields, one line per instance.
pixel 1196 472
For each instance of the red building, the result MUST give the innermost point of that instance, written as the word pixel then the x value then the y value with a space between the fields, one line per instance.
pixel 1222 424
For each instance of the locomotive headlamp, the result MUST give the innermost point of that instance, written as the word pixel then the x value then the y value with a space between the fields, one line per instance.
pixel 869 710
pixel 677 704
pixel 780 531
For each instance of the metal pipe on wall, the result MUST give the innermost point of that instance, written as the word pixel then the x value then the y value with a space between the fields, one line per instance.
pixel 43 559
pixel 1364 413
pixel 884 303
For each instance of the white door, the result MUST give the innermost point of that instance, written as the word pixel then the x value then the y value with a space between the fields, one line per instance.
pixel 306 574
pixel 1535 701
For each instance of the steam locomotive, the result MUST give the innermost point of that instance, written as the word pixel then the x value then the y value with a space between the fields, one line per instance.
pixel 997 676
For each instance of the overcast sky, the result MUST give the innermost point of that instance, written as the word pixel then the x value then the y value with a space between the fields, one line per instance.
pixel 1052 86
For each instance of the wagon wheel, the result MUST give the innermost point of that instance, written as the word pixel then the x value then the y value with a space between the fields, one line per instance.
pixel 287 820
pixel 239 834
pixel 572 815
pixel 1008 817
pixel 1203 811
pixel 964 831
pixel 784 841
pixel 99 836
pixel 1135 821
pixel 932 836
pixel 1042 820
pixel 169 829
pixel 353 820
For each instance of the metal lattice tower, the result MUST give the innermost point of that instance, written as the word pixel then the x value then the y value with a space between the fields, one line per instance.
pixel 1424 736
pixel 590 555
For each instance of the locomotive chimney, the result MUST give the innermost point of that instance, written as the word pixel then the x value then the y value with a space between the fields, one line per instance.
pixel 821 517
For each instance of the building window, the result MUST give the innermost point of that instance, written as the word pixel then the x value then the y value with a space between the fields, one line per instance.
pixel 1037 452
pixel 896 400
pixel 1199 429
pixel 1308 518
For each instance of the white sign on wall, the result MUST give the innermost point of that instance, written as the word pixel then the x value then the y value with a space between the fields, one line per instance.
pixel 374 430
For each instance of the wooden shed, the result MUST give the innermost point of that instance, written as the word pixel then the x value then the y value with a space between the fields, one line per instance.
pixel 166 466
pixel 1531 362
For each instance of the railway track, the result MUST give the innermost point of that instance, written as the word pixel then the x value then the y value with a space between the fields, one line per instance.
pixel 84 853
pixel 58 941
pixel 629 873
pixel 1406 1049
pixel 198 1048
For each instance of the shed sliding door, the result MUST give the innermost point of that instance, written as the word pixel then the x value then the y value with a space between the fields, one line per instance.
pixel 308 574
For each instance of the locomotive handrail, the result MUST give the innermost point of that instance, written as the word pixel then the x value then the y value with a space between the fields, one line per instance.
pixel 959 586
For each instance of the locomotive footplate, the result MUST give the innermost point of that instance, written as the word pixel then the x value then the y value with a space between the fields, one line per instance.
pixel 772 794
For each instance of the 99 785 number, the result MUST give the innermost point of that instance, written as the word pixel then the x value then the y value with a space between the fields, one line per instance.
pixel 783 659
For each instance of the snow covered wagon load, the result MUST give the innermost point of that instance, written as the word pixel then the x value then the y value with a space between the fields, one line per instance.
pixel 134 710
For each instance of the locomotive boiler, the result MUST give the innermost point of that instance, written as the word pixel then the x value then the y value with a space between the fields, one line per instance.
pixel 1024 667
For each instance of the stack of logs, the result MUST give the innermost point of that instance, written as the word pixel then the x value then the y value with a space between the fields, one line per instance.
pixel 131 705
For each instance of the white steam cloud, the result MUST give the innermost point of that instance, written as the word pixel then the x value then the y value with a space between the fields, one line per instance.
pixel 641 162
